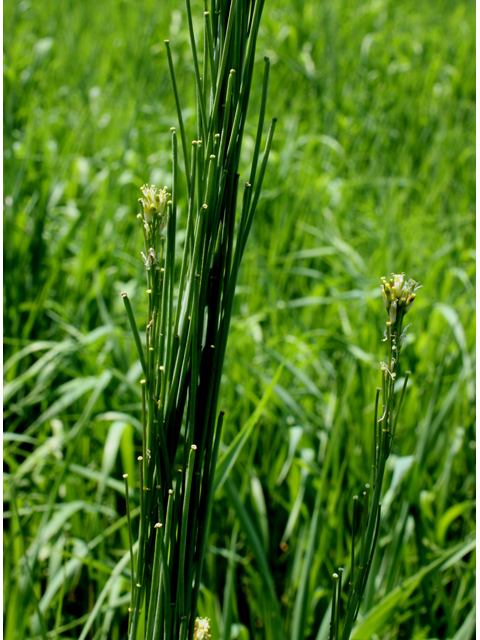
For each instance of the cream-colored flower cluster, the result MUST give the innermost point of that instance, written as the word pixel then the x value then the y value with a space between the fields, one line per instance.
pixel 202 628
pixel 154 203
pixel 398 295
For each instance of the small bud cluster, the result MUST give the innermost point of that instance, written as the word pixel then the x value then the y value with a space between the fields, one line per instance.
pixel 398 295
pixel 202 628
pixel 154 203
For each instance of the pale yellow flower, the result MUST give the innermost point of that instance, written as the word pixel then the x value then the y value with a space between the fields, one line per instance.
pixel 202 628
pixel 154 203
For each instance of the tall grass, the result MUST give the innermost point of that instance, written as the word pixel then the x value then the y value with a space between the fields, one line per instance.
pixel 371 171
pixel 187 329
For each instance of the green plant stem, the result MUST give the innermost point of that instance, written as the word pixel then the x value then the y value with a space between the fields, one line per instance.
pixel 203 529
pixel 179 115
pixel 155 608
pixel 130 541
pixel 136 334
pixel 183 543
pixel 200 99
pixel 372 521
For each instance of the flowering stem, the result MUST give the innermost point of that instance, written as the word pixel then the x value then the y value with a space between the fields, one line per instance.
pixel 398 297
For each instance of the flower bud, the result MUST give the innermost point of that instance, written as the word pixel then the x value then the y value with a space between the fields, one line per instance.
pixel 147 210
pixel 393 312
pixel 389 292
pixel 398 284
pixel 386 301
pixel 410 302
pixel 410 287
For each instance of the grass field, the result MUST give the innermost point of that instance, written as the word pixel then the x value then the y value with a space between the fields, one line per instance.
pixel 371 172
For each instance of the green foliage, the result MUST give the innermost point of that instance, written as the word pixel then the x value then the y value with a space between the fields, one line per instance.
pixel 371 171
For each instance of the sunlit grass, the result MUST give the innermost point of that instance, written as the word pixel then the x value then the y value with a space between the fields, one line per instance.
pixel 372 171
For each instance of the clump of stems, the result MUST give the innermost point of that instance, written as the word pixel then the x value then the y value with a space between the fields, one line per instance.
pixel 398 295
pixel 189 311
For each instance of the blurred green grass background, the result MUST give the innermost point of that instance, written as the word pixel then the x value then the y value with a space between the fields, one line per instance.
pixel 372 171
